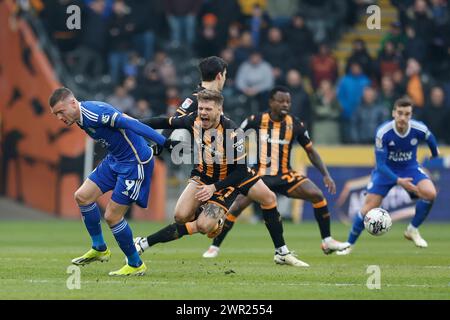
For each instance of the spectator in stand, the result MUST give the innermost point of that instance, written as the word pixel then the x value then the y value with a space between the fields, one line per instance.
pixel 361 56
pixel 281 11
pixel 165 67
pixel 277 53
pixel 121 29
pixel 227 12
pixel 227 54
pixel 300 40
pixel 399 83
pixel 323 66
pixel 440 12
pixel 130 85
pixel 415 85
pixel 436 115
pixel 248 5
pixel 402 6
pixel 396 36
pixel 152 89
pixel 300 103
pixel 54 16
pixel 173 100
pixel 388 94
pixel 368 116
pixel 142 110
pixel 255 78
pixel 349 92
pixel 134 65
pixel 321 15
pixel 234 35
pixel 416 47
pixel 87 58
pixel 181 15
pixel 208 43
pixel 420 17
pixel 242 52
pixel 326 115
pixel 144 15
pixel 121 100
pixel 389 61
pixel 258 24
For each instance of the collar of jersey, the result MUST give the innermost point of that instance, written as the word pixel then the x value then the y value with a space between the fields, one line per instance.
pixel 275 120
pixel 81 114
pixel 398 133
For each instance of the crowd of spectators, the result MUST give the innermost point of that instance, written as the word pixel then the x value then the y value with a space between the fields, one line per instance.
pixel 147 51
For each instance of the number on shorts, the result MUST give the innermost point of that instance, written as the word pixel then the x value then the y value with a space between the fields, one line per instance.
pixel 130 184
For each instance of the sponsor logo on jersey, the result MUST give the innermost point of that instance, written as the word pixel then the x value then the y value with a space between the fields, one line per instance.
pixel 400 156
pixel 266 137
pixel 392 143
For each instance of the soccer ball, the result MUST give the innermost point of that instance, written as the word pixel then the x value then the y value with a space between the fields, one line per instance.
pixel 377 221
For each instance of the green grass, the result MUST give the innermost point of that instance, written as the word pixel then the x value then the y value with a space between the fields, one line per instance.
pixel 34 258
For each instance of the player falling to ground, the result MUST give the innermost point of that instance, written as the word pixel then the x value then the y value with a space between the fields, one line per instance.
pixel 213 74
pixel 216 183
pixel 127 170
pixel 276 131
pixel 396 144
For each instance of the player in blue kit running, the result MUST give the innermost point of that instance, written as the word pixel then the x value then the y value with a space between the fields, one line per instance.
pixel 396 163
pixel 127 170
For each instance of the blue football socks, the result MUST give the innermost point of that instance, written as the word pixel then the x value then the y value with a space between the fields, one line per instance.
pixel 423 207
pixel 124 237
pixel 357 228
pixel 91 218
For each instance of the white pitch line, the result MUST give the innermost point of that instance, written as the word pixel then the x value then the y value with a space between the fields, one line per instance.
pixel 306 284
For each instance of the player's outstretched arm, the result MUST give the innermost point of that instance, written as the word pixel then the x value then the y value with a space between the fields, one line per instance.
pixel 157 122
pixel 124 122
pixel 317 162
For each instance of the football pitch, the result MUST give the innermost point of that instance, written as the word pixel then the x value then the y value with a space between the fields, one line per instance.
pixel 35 256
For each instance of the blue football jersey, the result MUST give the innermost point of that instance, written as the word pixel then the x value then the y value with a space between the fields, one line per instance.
pixel 401 150
pixel 98 120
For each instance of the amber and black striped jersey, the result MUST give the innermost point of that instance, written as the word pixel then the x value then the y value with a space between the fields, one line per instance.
pixel 217 151
pixel 275 141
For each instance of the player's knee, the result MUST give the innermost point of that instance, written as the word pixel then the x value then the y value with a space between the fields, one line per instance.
pixel 81 198
pixel 181 216
pixel 112 219
pixel 429 194
pixel 316 196
pixel 180 219
pixel 236 209
pixel 269 200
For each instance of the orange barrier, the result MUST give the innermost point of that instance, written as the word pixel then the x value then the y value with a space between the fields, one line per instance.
pixel 35 145
pixel 41 158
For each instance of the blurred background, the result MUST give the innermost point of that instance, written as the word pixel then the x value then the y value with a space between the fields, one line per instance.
pixel 141 56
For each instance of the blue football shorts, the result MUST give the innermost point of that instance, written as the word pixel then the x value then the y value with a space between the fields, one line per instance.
pixel 380 185
pixel 130 181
